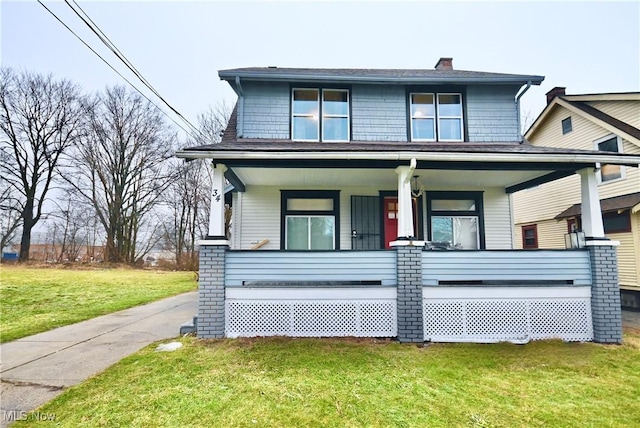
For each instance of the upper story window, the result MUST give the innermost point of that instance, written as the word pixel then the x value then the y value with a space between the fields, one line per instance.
pixel 436 117
pixel 320 112
pixel 607 172
pixel 566 125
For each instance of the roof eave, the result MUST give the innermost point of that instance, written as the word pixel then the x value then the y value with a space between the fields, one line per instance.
pixel 551 158
pixel 308 78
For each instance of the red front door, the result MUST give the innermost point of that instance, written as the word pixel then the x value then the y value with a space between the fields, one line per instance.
pixel 390 216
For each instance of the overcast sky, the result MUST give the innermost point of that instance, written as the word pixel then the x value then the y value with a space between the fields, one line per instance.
pixel 588 47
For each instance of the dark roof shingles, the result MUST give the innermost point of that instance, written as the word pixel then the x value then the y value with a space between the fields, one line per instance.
pixel 606 205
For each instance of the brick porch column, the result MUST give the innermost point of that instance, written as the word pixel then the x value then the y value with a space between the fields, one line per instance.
pixel 409 270
pixel 605 292
pixel 211 289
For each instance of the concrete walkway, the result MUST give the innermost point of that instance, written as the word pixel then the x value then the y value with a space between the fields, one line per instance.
pixel 37 368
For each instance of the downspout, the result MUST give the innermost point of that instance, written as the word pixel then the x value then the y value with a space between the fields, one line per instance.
pixel 518 108
pixel 240 124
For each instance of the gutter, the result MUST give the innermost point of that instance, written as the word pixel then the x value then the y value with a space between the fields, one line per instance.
pixel 400 156
pixel 518 108
pixel 269 76
pixel 240 121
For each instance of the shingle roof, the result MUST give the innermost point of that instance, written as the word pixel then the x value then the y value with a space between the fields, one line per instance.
pixel 405 76
pixel 272 145
pixel 616 203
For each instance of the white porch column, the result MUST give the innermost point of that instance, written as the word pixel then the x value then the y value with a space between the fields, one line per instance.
pixel 405 209
pixel 591 211
pixel 216 215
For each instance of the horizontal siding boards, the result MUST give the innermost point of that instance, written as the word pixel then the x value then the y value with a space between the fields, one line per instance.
pixel 312 266
pixel 627 267
pixel 491 113
pixel 506 266
pixel 260 218
pixel 378 113
pixel 266 110
pixel 497 220
pixel 626 111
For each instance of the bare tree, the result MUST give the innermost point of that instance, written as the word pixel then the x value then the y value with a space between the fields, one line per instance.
pixel 39 122
pixel 187 200
pixel 72 226
pixel 120 166
pixel 188 197
pixel 213 122
pixel 10 213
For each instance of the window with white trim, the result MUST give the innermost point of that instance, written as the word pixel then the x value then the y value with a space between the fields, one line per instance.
pixel 320 112
pixel 436 117
pixel 309 220
pixel 608 173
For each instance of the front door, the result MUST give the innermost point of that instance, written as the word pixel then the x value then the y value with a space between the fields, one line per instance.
pixel 365 223
pixel 390 216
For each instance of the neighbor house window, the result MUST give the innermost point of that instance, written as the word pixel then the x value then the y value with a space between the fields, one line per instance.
pixel 617 222
pixel 309 220
pixel 436 117
pixel 530 236
pixel 456 218
pixel 573 225
pixel 320 112
pixel 566 125
pixel 607 172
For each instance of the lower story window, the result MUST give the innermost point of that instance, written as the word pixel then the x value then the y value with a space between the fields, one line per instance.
pixel 310 233
pixel 309 219
pixel 530 236
pixel 462 232
pixel 456 218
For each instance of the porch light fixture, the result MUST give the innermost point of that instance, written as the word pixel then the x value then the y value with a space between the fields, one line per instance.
pixel 417 189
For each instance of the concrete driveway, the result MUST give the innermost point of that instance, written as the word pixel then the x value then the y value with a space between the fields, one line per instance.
pixel 35 369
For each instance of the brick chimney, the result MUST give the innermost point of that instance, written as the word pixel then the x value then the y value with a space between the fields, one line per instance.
pixel 444 64
pixel 558 91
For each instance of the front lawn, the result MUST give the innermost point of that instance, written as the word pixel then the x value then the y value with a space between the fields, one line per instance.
pixel 332 382
pixel 33 300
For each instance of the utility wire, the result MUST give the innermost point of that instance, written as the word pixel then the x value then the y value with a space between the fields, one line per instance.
pixel 116 71
pixel 111 46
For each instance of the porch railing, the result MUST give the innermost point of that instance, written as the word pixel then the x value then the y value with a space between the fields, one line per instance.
pixel 506 267
pixel 291 268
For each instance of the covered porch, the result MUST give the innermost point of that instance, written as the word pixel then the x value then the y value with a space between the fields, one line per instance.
pixel 481 290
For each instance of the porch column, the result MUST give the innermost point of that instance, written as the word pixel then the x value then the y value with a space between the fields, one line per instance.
pixel 606 312
pixel 409 304
pixel 405 210
pixel 591 212
pixel 216 215
pixel 211 290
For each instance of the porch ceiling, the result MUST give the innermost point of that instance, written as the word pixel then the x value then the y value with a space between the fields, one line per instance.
pixel 380 178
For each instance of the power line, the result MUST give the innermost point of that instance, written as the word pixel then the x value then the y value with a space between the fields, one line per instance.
pixel 116 71
pixel 95 28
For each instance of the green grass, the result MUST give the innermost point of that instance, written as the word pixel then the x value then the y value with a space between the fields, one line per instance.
pixel 33 300
pixel 336 383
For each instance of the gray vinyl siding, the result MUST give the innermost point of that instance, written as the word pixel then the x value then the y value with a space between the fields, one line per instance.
pixel 378 113
pixel 492 114
pixel 266 110
pixel 497 220
pixel 509 266
pixel 318 266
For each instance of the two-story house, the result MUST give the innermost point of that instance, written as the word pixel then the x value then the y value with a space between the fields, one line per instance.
pixel 380 201
pixel 543 215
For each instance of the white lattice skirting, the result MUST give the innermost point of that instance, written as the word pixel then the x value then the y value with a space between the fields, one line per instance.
pixel 311 312
pixel 513 314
